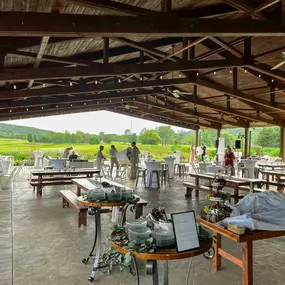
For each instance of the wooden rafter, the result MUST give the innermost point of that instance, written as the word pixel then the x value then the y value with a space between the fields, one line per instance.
pixel 65 25
pixel 40 54
pixel 101 70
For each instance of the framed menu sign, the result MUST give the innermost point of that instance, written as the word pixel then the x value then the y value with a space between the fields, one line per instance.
pixel 185 231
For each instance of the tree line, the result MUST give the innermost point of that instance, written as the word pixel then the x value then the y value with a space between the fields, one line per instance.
pixel 165 135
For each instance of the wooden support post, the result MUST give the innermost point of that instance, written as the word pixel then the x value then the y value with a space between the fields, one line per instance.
pixel 246 142
pixel 282 143
pixel 235 79
pixel 2 60
pixel 217 260
pixel 141 57
pixel 272 94
pixel 282 11
pixel 247 49
pixel 166 5
pixel 185 52
pixel 106 50
pixel 247 266
pixel 218 133
pixel 228 102
pixel 197 138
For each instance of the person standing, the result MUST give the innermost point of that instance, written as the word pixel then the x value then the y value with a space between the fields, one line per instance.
pixel 73 156
pixel 229 160
pixel 204 149
pixel 113 157
pixel 192 153
pixel 67 152
pixel 99 157
pixel 134 156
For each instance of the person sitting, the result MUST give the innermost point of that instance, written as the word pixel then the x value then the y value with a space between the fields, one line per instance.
pixel 67 152
pixel 73 156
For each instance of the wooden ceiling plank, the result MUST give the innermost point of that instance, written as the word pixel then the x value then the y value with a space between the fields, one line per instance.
pixel 113 7
pixel 114 69
pixel 69 25
pixel 47 58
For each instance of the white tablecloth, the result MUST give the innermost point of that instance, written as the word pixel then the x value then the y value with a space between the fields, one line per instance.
pixel 5 166
pixel 152 165
pixel 169 160
pixel 38 155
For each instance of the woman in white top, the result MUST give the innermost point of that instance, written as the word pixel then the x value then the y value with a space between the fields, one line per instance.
pixel 99 158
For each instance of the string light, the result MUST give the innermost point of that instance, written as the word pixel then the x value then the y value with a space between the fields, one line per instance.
pixel 27 109
pixel 230 71
pixel 122 100
pixel 197 73
pixel 42 107
pixel 14 86
pixel 44 85
pixel 215 72
pixel 160 76
pixel 119 80
pixel 110 101
pixel 97 102
pixel 10 111
pixel 180 74
pixel 259 75
pixel 272 80
pixel 84 103
pixel 96 82
pixel 71 105
pixel 141 78
pixel 70 83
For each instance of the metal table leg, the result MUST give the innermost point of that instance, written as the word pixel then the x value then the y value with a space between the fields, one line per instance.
pixel 97 245
pixel 151 269
pixel 92 211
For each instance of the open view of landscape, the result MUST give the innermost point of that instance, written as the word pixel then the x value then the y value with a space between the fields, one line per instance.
pixel 22 141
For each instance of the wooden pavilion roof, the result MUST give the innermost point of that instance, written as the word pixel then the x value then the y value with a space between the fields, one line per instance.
pixel 189 63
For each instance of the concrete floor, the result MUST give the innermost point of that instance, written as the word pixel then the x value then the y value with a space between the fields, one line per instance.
pixel 41 244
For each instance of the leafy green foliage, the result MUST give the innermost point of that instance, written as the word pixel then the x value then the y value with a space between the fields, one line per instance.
pixel 269 137
pixel 150 137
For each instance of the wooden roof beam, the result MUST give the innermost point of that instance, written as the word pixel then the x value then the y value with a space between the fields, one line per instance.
pixel 173 117
pixel 74 99
pixel 69 25
pixel 155 118
pixel 216 122
pixel 89 88
pixel 39 56
pixel 101 70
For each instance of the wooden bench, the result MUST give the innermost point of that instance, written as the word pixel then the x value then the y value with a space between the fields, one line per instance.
pixel 70 198
pixel 47 183
pixel 55 178
pixel 190 186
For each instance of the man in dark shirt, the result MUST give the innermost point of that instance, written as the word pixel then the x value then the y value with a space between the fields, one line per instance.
pixel 73 156
pixel 204 151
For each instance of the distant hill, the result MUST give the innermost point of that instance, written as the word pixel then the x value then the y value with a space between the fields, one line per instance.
pixel 15 131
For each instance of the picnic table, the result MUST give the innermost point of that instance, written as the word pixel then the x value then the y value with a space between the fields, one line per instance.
pixel 51 177
pixel 96 210
pixel 270 165
pixel 246 262
pixel 232 182
pixel 274 173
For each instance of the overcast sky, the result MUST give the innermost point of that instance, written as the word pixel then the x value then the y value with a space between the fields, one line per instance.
pixel 91 122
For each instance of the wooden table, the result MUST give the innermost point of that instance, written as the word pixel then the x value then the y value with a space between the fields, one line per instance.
pixel 162 254
pixel 59 177
pixel 245 263
pixel 274 173
pixel 271 165
pixel 233 182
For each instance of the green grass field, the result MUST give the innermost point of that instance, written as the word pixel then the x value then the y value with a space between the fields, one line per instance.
pixel 22 149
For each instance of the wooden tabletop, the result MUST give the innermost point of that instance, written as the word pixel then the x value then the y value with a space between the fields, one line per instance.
pixel 248 236
pixel 167 254
pixel 273 172
pixel 65 171
pixel 89 183
pixel 229 181
pixel 100 204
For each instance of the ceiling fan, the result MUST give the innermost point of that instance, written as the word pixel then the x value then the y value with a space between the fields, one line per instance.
pixel 176 93
pixel 281 63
